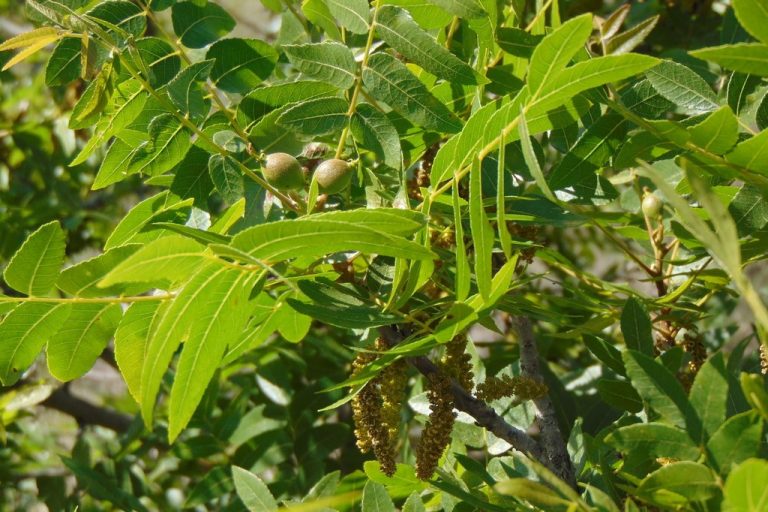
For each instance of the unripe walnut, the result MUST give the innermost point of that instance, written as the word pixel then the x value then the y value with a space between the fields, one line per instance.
pixel 333 176
pixel 283 171
pixel 651 205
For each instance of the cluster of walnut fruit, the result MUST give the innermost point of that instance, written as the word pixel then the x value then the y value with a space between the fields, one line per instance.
pixel 285 173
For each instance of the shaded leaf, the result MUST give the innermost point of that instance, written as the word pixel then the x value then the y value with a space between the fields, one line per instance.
pixel 316 117
pixel 227 178
pixel 241 64
pixel 328 61
pixel 198 25
pixel 683 87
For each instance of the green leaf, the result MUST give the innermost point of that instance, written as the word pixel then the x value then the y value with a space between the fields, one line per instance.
pixel 263 100
pixel 718 132
pixel 482 232
pixel 463 279
pixel 114 167
pixel 37 36
pixel 590 153
pixel 241 64
pixel 227 178
pixel 531 161
pixel 374 131
pixel 328 61
pixel 606 353
pixel 376 499
pixel 369 231
pixel 749 209
pixel 316 117
pixel 652 440
pixel 683 87
pixel 75 347
pixel 23 333
pixel 318 13
pixel 220 317
pixel 752 153
pixel 170 259
pixel 619 394
pixel 64 64
pixel 632 38
pixel 191 177
pixel 587 75
pixel 122 15
pixel 735 441
pixel 131 342
pixel 469 9
pixel 168 143
pixel 158 208
pixel 159 57
pixel 102 487
pixel 198 25
pixel 678 484
pixel 351 14
pixel 340 305
pixel 414 503
pixel 636 327
pixel 750 58
pixel 252 491
pixel 389 80
pixel 517 42
pixel 81 280
pixel 753 16
pixel 396 27
pixel 187 94
pixel 292 325
pixel 125 105
pixel 34 268
pixel 761 114
pixel 740 86
pixel 556 49
pixel 662 391
pixel 746 489
pixel 709 394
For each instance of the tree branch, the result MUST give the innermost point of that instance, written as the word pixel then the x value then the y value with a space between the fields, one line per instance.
pixel 484 415
pixel 85 413
pixel 555 449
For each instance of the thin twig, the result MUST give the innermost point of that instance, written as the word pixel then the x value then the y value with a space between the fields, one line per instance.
pixel 485 416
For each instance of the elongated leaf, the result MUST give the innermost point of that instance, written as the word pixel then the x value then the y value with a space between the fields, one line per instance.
pixel 131 341
pixel 373 130
pixel 752 153
pixel 395 26
pixel 319 235
pixel 531 161
pixel 114 167
pixel 709 394
pixel 198 25
pixel 170 259
pixel 482 232
pixel 555 51
pixel 593 149
pixel 636 327
pixel 683 87
pixel 761 114
pixel 191 178
pixel 717 133
pixel 376 499
pixel 31 42
pixel 316 117
pixel 655 440
pixel 517 42
pixel 390 81
pixel 263 100
pixel 226 177
pixel 219 320
pixel 186 93
pixel 75 347
pixel 632 38
pixel 463 8
pixel 122 18
pixel 328 61
pixel 125 105
pixel 753 16
pixel 586 75
pixel 168 143
pixel 662 391
pixel 678 484
pixel 158 208
pixel 750 58
pixel 23 333
pixel 64 64
pixel 35 267
pixel 736 440
pixel 241 64
pixel 749 209
pixel 351 14
pixel 80 280
pixel 252 491
pixel 158 57
pixel 318 13
pixel 619 394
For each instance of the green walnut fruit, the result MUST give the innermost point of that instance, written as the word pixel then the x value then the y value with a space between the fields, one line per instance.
pixel 333 176
pixel 651 205
pixel 283 171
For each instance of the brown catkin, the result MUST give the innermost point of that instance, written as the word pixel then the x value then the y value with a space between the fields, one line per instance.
pixel 392 382
pixel 692 344
pixel 365 409
pixel 457 363
pixel 763 359
pixel 437 432
pixel 522 387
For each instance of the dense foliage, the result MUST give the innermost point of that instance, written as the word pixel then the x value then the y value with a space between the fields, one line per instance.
pixel 443 255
